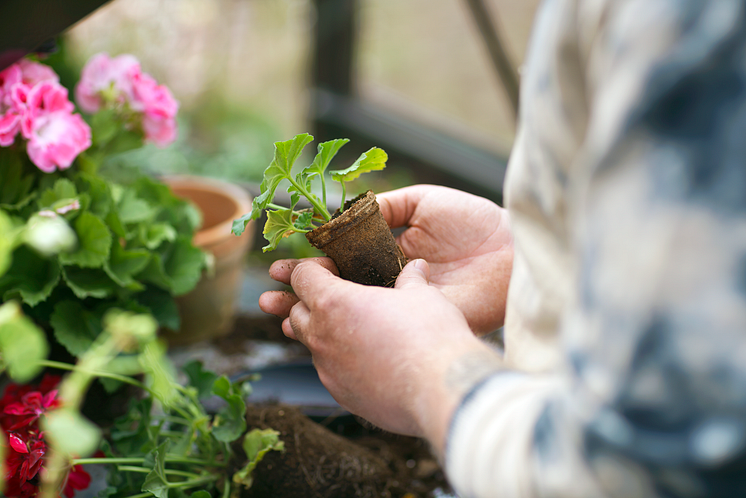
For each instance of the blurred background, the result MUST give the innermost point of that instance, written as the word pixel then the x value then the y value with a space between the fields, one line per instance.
pixel 415 77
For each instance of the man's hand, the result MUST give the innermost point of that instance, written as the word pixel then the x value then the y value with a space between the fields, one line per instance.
pixel 467 242
pixel 386 354
pixel 465 239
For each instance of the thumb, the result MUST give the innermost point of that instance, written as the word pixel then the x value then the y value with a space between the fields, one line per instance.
pixel 416 273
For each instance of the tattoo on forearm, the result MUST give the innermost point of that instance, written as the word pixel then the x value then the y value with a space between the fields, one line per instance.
pixel 471 368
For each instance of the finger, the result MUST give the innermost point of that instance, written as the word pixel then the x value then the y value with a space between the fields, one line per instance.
pixel 298 320
pixel 283 268
pixel 415 274
pixel 277 303
pixel 287 329
pixel 398 206
pixel 312 282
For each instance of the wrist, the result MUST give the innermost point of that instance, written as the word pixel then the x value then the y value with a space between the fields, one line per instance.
pixel 447 382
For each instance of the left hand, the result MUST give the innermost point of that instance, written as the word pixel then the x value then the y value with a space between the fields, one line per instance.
pixel 383 353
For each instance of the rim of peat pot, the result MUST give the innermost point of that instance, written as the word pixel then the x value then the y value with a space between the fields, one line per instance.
pixel 209 309
pixel 360 243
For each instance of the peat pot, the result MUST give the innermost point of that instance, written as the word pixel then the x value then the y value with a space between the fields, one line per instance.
pixel 360 243
pixel 208 311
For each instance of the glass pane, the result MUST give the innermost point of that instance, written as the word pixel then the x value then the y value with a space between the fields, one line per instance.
pixel 425 58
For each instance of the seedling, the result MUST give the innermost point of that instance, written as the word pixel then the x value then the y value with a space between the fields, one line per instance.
pixel 283 221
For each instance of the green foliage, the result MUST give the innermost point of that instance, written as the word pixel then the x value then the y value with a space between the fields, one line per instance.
pixel 71 433
pixel 282 222
pixel 230 422
pixel 107 244
pixel 156 481
pixel 256 444
pixel 22 343
pixel 200 378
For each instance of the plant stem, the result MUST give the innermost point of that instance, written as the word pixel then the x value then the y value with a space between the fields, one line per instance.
pixel 121 378
pixel 344 196
pixel 169 459
pixel 321 209
pixel 173 472
pixel 323 188
pixel 141 495
pixel 193 483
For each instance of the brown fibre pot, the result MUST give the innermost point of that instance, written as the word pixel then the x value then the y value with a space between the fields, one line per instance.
pixel 361 243
pixel 209 310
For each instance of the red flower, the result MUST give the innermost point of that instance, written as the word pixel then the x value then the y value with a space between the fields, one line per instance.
pixel 20 409
pixel 21 405
pixel 77 479
pixel 25 456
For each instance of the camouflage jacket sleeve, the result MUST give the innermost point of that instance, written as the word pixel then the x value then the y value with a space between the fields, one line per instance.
pixel 650 400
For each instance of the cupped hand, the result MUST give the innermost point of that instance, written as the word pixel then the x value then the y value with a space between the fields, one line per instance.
pixel 465 239
pixel 384 354
pixel 467 242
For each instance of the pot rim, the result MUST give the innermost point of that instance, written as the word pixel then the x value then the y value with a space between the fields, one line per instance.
pixel 237 195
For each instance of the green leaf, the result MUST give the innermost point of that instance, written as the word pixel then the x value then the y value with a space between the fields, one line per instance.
pixel 30 277
pixel 8 238
pixel 161 305
pixel 372 160
pixel 184 265
pixel 157 233
pixel 74 326
pixel 22 343
pixel 155 481
pixel 124 264
pixel 115 224
pixel 303 222
pixel 327 151
pixel 124 141
pixel 200 494
pixel 89 282
pixel 63 190
pixel 132 209
pixel 230 422
pixel 99 192
pixel 256 444
pixel 155 273
pixel 70 432
pixel 158 367
pixel 286 153
pixel 16 188
pixel 133 330
pixel 279 225
pixel 203 380
pixel 104 126
pixel 94 241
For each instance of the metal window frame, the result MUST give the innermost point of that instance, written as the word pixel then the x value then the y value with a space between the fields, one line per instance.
pixel 338 110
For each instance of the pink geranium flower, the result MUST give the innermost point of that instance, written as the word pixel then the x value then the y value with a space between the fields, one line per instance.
pixel 120 83
pixel 55 135
pixel 105 78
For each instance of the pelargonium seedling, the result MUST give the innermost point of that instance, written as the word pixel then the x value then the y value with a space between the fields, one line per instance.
pixel 283 221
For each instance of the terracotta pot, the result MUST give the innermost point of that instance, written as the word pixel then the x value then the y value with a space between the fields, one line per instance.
pixel 361 243
pixel 208 311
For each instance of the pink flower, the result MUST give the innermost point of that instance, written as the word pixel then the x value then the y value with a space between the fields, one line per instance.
pixel 55 135
pixel 119 81
pixel 159 109
pixel 36 72
pixel 108 78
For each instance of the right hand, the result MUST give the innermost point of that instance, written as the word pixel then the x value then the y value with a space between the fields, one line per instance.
pixel 467 242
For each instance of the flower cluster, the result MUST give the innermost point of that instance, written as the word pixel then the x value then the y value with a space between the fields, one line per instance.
pixel 22 406
pixel 119 83
pixel 35 106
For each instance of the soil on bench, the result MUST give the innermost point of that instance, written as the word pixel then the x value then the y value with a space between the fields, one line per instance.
pixel 339 460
